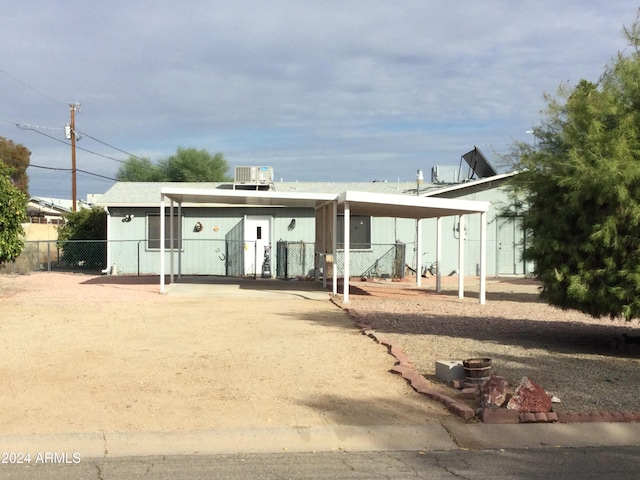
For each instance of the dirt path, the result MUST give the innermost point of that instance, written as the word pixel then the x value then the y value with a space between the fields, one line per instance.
pixel 88 354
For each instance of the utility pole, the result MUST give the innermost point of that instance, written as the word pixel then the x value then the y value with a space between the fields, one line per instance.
pixel 71 135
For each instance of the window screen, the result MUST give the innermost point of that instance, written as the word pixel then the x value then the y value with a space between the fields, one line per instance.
pixel 359 231
pixel 153 232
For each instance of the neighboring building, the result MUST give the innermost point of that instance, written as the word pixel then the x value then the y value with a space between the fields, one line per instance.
pixel 47 210
pixel 218 239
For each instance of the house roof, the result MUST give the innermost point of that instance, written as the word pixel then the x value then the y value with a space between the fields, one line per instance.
pixel 435 190
pixel 147 194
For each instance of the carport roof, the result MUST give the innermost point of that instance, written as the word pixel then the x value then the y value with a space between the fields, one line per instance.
pixel 402 206
pixel 246 198
pixel 359 203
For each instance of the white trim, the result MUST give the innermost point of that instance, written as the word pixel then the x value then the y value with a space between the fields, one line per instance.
pixel 461 256
pixel 162 266
pixel 347 249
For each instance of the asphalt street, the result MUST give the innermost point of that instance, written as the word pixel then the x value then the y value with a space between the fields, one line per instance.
pixel 602 463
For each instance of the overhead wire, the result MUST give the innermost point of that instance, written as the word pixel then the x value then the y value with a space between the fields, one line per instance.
pixel 26 85
pixel 36 127
pixel 57 169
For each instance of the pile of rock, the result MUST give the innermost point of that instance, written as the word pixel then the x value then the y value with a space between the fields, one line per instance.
pixel 529 403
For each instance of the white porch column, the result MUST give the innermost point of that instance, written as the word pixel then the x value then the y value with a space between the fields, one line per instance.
pixel 438 254
pixel 419 252
pixel 162 243
pixel 334 249
pixel 461 256
pixel 347 244
pixel 181 241
pixel 483 258
pixel 171 244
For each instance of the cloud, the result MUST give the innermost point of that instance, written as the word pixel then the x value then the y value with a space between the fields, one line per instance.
pixel 348 90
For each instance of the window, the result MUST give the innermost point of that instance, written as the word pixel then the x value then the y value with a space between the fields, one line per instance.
pixel 153 232
pixel 359 231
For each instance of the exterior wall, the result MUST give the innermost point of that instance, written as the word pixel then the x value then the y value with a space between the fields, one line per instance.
pixel 505 238
pixel 216 248
pixel 205 252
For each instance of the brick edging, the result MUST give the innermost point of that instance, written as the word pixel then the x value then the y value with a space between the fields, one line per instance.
pixel 405 369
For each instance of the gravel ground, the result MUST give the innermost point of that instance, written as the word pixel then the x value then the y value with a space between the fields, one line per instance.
pixel 571 355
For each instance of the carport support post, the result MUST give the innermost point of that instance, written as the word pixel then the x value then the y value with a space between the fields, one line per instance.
pixel 180 243
pixel 334 247
pixel 438 254
pixel 161 243
pixel 171 245
pixel 347 245
pixel 418 252
pixel 461 256
pixel 483 258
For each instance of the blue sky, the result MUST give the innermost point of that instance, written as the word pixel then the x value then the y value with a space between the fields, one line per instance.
pixel 321 91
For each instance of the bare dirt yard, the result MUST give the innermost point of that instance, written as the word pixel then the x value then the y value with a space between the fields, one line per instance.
pixel 105 354
pixel 110 354
pixel 581 360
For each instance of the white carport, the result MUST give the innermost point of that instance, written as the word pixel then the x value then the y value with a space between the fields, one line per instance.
pixel 328 207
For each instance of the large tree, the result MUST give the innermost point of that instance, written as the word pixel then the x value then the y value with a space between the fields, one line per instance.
pixel 13 211
pixel 17 158
pixel 186 165
pixel 580 187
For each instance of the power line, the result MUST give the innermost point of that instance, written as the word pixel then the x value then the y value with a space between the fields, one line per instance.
pixel 109 145
pixel 26 85
pixel 79 148
pixel 57 169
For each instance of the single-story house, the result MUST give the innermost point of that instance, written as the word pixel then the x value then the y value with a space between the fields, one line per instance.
pixel 214 236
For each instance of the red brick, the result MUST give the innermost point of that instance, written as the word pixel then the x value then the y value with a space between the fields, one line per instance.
pixel 629 416
pixel 606 417
pixel 469 393
pixel 437 396
pixel 383 340
pixel 428 391
pixel 499 416
pixel 596 417
pixel 587 417
pixel 541 417
pixel 568 417
pixel 400 369
pixel 457 384
pixel 618 417
pixel 463 411
pixel 419 383
pixel 528 417
pixel 448 401
pixel 552 416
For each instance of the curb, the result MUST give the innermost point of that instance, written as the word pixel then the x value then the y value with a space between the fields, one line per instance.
pixel 76 447
pixel 405 369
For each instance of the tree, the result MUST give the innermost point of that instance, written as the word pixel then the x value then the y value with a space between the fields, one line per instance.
pixel 13 211
pixel 83 237
pixel 139 170
pixel 186 165
pixel 17 158
pixel 580 189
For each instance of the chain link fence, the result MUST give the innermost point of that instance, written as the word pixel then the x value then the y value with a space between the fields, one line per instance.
pixel 203 257
pixel 50 256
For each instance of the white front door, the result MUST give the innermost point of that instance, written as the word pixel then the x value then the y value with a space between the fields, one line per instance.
pixel 256 238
